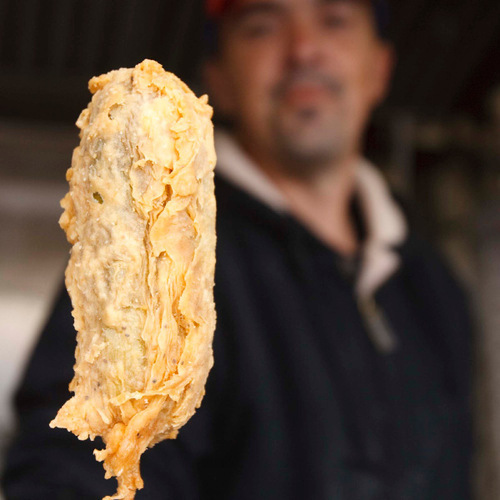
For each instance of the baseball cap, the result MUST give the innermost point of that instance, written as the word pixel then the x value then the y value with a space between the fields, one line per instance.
pixel 215 9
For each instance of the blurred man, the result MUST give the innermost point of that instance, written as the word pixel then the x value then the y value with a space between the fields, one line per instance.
pixel 342 346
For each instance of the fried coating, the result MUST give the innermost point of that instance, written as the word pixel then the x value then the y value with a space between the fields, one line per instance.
pixel 140 214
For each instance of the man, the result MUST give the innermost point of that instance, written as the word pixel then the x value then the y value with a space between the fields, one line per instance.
pixel 342 347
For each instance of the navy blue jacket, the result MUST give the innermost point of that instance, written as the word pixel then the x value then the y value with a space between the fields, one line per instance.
pixel 299 405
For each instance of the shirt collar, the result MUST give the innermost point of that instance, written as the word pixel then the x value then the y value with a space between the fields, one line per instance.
pixel 236 166
pixel 385 224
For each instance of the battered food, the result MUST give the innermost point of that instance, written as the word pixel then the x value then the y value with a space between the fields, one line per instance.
pixel 140 214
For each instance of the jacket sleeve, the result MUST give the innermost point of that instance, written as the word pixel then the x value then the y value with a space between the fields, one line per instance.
pixel 445 306
pixel 52 463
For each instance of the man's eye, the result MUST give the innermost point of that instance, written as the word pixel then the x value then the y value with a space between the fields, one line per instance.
pixel 333 20
pixel 258 28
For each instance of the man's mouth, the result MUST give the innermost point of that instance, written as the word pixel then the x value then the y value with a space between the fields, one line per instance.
pixel 307 88
pixel 305 94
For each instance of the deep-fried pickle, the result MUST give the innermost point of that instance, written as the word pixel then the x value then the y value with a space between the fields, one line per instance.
pixel 140 214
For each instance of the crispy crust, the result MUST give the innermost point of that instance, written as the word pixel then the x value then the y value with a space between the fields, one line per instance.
pixel 140 214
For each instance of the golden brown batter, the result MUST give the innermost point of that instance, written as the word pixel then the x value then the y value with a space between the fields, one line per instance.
pixel 140 214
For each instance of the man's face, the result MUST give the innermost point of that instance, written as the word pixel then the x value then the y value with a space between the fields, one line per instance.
pixel 299 78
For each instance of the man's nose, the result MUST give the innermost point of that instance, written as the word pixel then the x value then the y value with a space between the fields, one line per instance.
pixel 304 43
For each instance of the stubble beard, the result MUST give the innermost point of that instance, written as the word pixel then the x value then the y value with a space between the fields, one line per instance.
pixel 310 142
pixel 310 139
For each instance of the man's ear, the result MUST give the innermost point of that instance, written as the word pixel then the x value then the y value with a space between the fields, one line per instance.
pixel 384 63
pixel 219 87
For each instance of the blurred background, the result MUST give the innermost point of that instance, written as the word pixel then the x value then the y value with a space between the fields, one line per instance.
pixel 437 138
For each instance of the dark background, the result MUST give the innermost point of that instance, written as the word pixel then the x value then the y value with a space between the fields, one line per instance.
pixel 449 51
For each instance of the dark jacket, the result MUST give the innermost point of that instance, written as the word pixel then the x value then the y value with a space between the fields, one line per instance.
pixel 299 405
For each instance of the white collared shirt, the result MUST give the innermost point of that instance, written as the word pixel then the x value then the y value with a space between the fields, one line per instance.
pixel 385 223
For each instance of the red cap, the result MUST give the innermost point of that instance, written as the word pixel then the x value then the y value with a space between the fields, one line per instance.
pixel 216 8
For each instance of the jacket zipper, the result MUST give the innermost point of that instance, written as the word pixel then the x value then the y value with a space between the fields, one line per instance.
pixel 378 328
